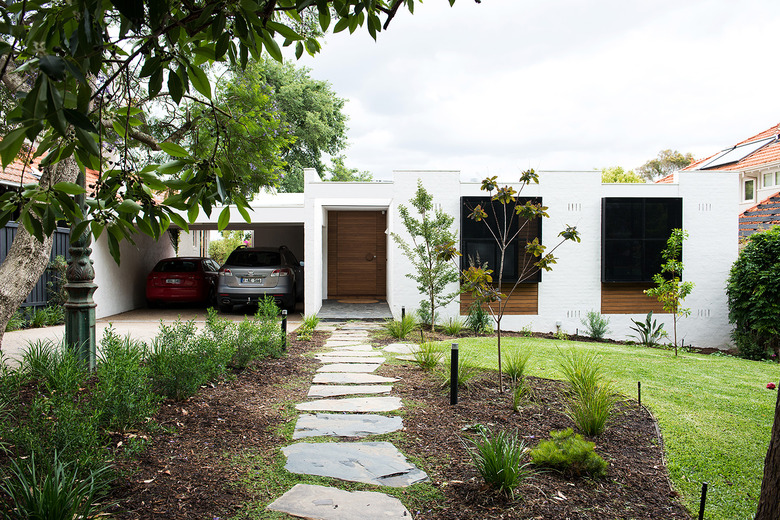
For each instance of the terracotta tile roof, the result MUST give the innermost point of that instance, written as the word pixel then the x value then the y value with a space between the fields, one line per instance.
pixel 669 179
pixel 765 155
pixel 760 217
pixel 31 173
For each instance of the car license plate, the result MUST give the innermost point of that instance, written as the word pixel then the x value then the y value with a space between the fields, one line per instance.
pixel 251 280
pixel 173 280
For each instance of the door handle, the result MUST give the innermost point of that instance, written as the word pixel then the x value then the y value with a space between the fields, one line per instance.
pixel 370 257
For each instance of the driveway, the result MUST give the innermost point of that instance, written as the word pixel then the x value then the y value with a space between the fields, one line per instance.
pixel 140 324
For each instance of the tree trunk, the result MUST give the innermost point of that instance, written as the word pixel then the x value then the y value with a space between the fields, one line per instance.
pixel 769 500
pixel 28 257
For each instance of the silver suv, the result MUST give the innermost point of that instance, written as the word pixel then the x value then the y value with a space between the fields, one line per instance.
pixel 251 273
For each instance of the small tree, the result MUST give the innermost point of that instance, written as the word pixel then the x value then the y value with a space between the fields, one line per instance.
pixel 669 289
pixel 616 174
pixel 429 231
pixel 506 224
pixel 220 249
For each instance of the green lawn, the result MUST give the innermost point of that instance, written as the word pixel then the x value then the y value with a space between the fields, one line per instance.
pixel 715 412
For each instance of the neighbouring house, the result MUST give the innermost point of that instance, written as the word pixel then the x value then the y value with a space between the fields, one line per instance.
pixel 757 162
pixel 342 231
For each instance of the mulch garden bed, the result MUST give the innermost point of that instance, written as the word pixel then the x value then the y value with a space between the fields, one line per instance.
pixel 186 471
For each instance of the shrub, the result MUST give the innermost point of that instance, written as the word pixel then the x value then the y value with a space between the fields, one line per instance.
pixel 596 325
pixel 592 399
pixel 399 329
pixel 570 454
pixel 514 365
pixel 479 320
pixel 428 355
pixel 16 322
pixel 59 495
pixel 453 327
pixel 306 329
pixel 267 308
pixel 180 362
pixel 749 346
pixel 649 332
pixel 122 396
pixel 500 459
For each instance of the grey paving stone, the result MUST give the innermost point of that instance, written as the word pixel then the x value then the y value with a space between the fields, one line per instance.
pixel 361 347
pixel 352 404
pixel 401 348
pixel 345 425
pixel 327 503
pixel 339 390
pixel 343 343
pixel 348 359
pixel 377 463
pixel 351 353
pixel 349 367
pixel 351 378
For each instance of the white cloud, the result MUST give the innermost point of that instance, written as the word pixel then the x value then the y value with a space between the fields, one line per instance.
pixel 505 85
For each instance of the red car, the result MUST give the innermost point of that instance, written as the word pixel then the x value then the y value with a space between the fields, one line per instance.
pixel 182 280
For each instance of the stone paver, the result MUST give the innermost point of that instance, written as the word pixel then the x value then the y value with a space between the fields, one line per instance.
pixel 352 404
pixel 352 348
pixel 338 390
pixel 324 503
pixel 377 463
pixel 349 367
pixel 344 343
pixel 345 425
pixel 348 359
pixel 401 348
pixel 358 378
pixel 351 353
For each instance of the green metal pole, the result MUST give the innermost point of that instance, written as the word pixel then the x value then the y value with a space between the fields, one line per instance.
pixel 80 307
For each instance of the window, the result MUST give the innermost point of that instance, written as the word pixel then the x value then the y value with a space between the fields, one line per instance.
pixel 750 189
pixel 634 232
pixel 478 242
pixel 771 179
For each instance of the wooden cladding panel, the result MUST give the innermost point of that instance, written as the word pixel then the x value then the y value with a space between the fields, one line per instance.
pixel 628 298
pixel 524 300
pixel 357 252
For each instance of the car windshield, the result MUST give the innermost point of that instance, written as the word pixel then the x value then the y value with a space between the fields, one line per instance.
pixel 244 258
pixel 177 266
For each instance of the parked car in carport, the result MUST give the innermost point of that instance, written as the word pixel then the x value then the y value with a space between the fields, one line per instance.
pixel 252 273
pixel 186 279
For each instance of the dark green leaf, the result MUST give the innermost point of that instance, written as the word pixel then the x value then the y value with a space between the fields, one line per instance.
pixel 113 246
pixel 174 86
pixel 171 167
pixel 179 221
pixel 325 18
pixel 78 230
pixel 244 213
pixel 10 145
pixel 150 66
pixel 298 50
pixel 284 30
pixel 56 117
pixel 49 221
pixel 32 226
pixel 52 66
pixel 129 206
pixel 174 150
pixel 192 213
pixel 158 11
pixel 145 227
pixel 200 81
pixel 79 119
pixel 341 25
pixel 133 10
pixel 155 82
pixel 87 141
pixel 272 47
pixel 70 188
pixel 222 46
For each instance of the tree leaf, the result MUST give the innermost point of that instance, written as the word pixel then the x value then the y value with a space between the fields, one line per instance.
pixel 87 141
pixel 272 47
pixel 174 150
pixel 52 66
pixel 179 221
pixel 224 218
pixel 79 119
pixel 324 18
pixel 174 86
pixel 10 145
pixel 284 30
pixel 133 10
pixel 70 188
pixel 171 167
pixel 129 206
pixel 222 46
pixel 199 80
pixel 155 82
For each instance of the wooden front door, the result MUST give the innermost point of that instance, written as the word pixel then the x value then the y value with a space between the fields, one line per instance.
pixel 357 251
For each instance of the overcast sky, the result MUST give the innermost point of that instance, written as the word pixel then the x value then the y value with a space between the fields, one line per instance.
pixel 505 85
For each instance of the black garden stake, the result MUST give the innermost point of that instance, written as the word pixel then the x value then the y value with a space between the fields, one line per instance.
pixel 454 374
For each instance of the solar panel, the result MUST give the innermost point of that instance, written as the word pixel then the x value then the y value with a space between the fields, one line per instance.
pixel 737 153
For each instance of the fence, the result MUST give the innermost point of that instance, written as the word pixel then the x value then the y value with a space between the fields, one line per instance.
pixel 39 296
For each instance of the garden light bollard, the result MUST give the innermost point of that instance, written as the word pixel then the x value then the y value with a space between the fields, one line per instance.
pixel 284 329
pixel 703 500
pixel 403 313
pixel 639 392
pixel 454 374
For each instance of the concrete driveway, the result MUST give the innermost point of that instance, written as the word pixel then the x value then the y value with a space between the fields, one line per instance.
pixel 140 324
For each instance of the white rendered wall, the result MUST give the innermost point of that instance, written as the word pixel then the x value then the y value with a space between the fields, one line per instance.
pixel 122 288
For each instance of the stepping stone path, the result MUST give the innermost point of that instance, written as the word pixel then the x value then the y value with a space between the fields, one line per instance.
pixel 347 370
